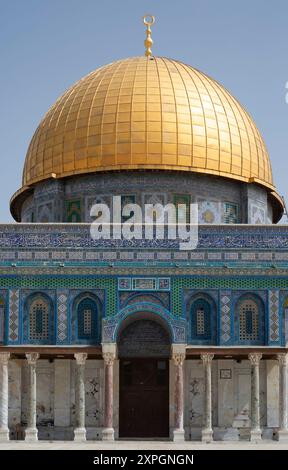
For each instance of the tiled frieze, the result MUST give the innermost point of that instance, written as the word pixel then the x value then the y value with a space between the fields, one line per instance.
pixel 70 236
pixel 82 255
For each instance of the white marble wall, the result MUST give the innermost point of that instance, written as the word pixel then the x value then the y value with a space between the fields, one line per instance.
pixel 62 392
pixel 15 396
pixel 231 390
pixel 272 370
pixel 231 383
pixel 194 397
pixel 55 398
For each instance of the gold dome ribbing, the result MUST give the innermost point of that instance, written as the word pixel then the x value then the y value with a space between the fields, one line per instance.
pixel 150 114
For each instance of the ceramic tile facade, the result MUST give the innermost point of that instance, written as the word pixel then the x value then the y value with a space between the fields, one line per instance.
pixel 274 316
pixel 225 320
pixel 13 330
pixel 62 316
pixel 218 203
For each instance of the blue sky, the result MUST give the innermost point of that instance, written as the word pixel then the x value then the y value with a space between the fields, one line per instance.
pixel 47 45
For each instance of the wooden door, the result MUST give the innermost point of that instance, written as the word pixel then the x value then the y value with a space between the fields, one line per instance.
pixel 144 398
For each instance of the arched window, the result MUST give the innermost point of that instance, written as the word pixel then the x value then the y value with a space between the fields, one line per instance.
pixel 201 320
pixel 87 319
pixel 2 317
pixel 250 321
pixel 39 320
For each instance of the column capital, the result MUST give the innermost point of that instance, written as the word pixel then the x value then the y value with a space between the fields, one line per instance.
pixel 4 358
pixel 178 353
pixel 207 358
pixel 32 358
pixel 178 358
pixel 109 358
pixel 282 359
pixel 80 358
pixel 255 358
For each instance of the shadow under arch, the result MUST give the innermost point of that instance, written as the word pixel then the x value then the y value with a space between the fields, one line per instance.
pixel 144 336
pixel 143 315
pixel 176 327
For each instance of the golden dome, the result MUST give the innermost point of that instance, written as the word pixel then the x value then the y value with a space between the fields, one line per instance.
pixel 147 113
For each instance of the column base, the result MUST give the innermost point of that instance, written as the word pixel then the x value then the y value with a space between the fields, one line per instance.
pixel 282 435
pixel 207 435
pixel 108 434
pixel 79 434
pixel 31 434
pixel 255 435
pixel 178 435
pixel 4 434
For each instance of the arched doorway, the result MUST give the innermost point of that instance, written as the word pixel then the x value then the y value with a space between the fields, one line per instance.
pixel 144 350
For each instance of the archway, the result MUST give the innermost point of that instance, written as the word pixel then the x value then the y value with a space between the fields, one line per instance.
pixel 144 350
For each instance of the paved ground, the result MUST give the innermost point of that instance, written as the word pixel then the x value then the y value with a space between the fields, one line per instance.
pixel 142 445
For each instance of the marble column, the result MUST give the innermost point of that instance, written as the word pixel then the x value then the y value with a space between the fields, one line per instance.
pixel 4 430
pixel 255 433
pixel 80 430
pixel 178 357
pixel 31 432
pixel 207 431
pixel 282 434
pixel 109 356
